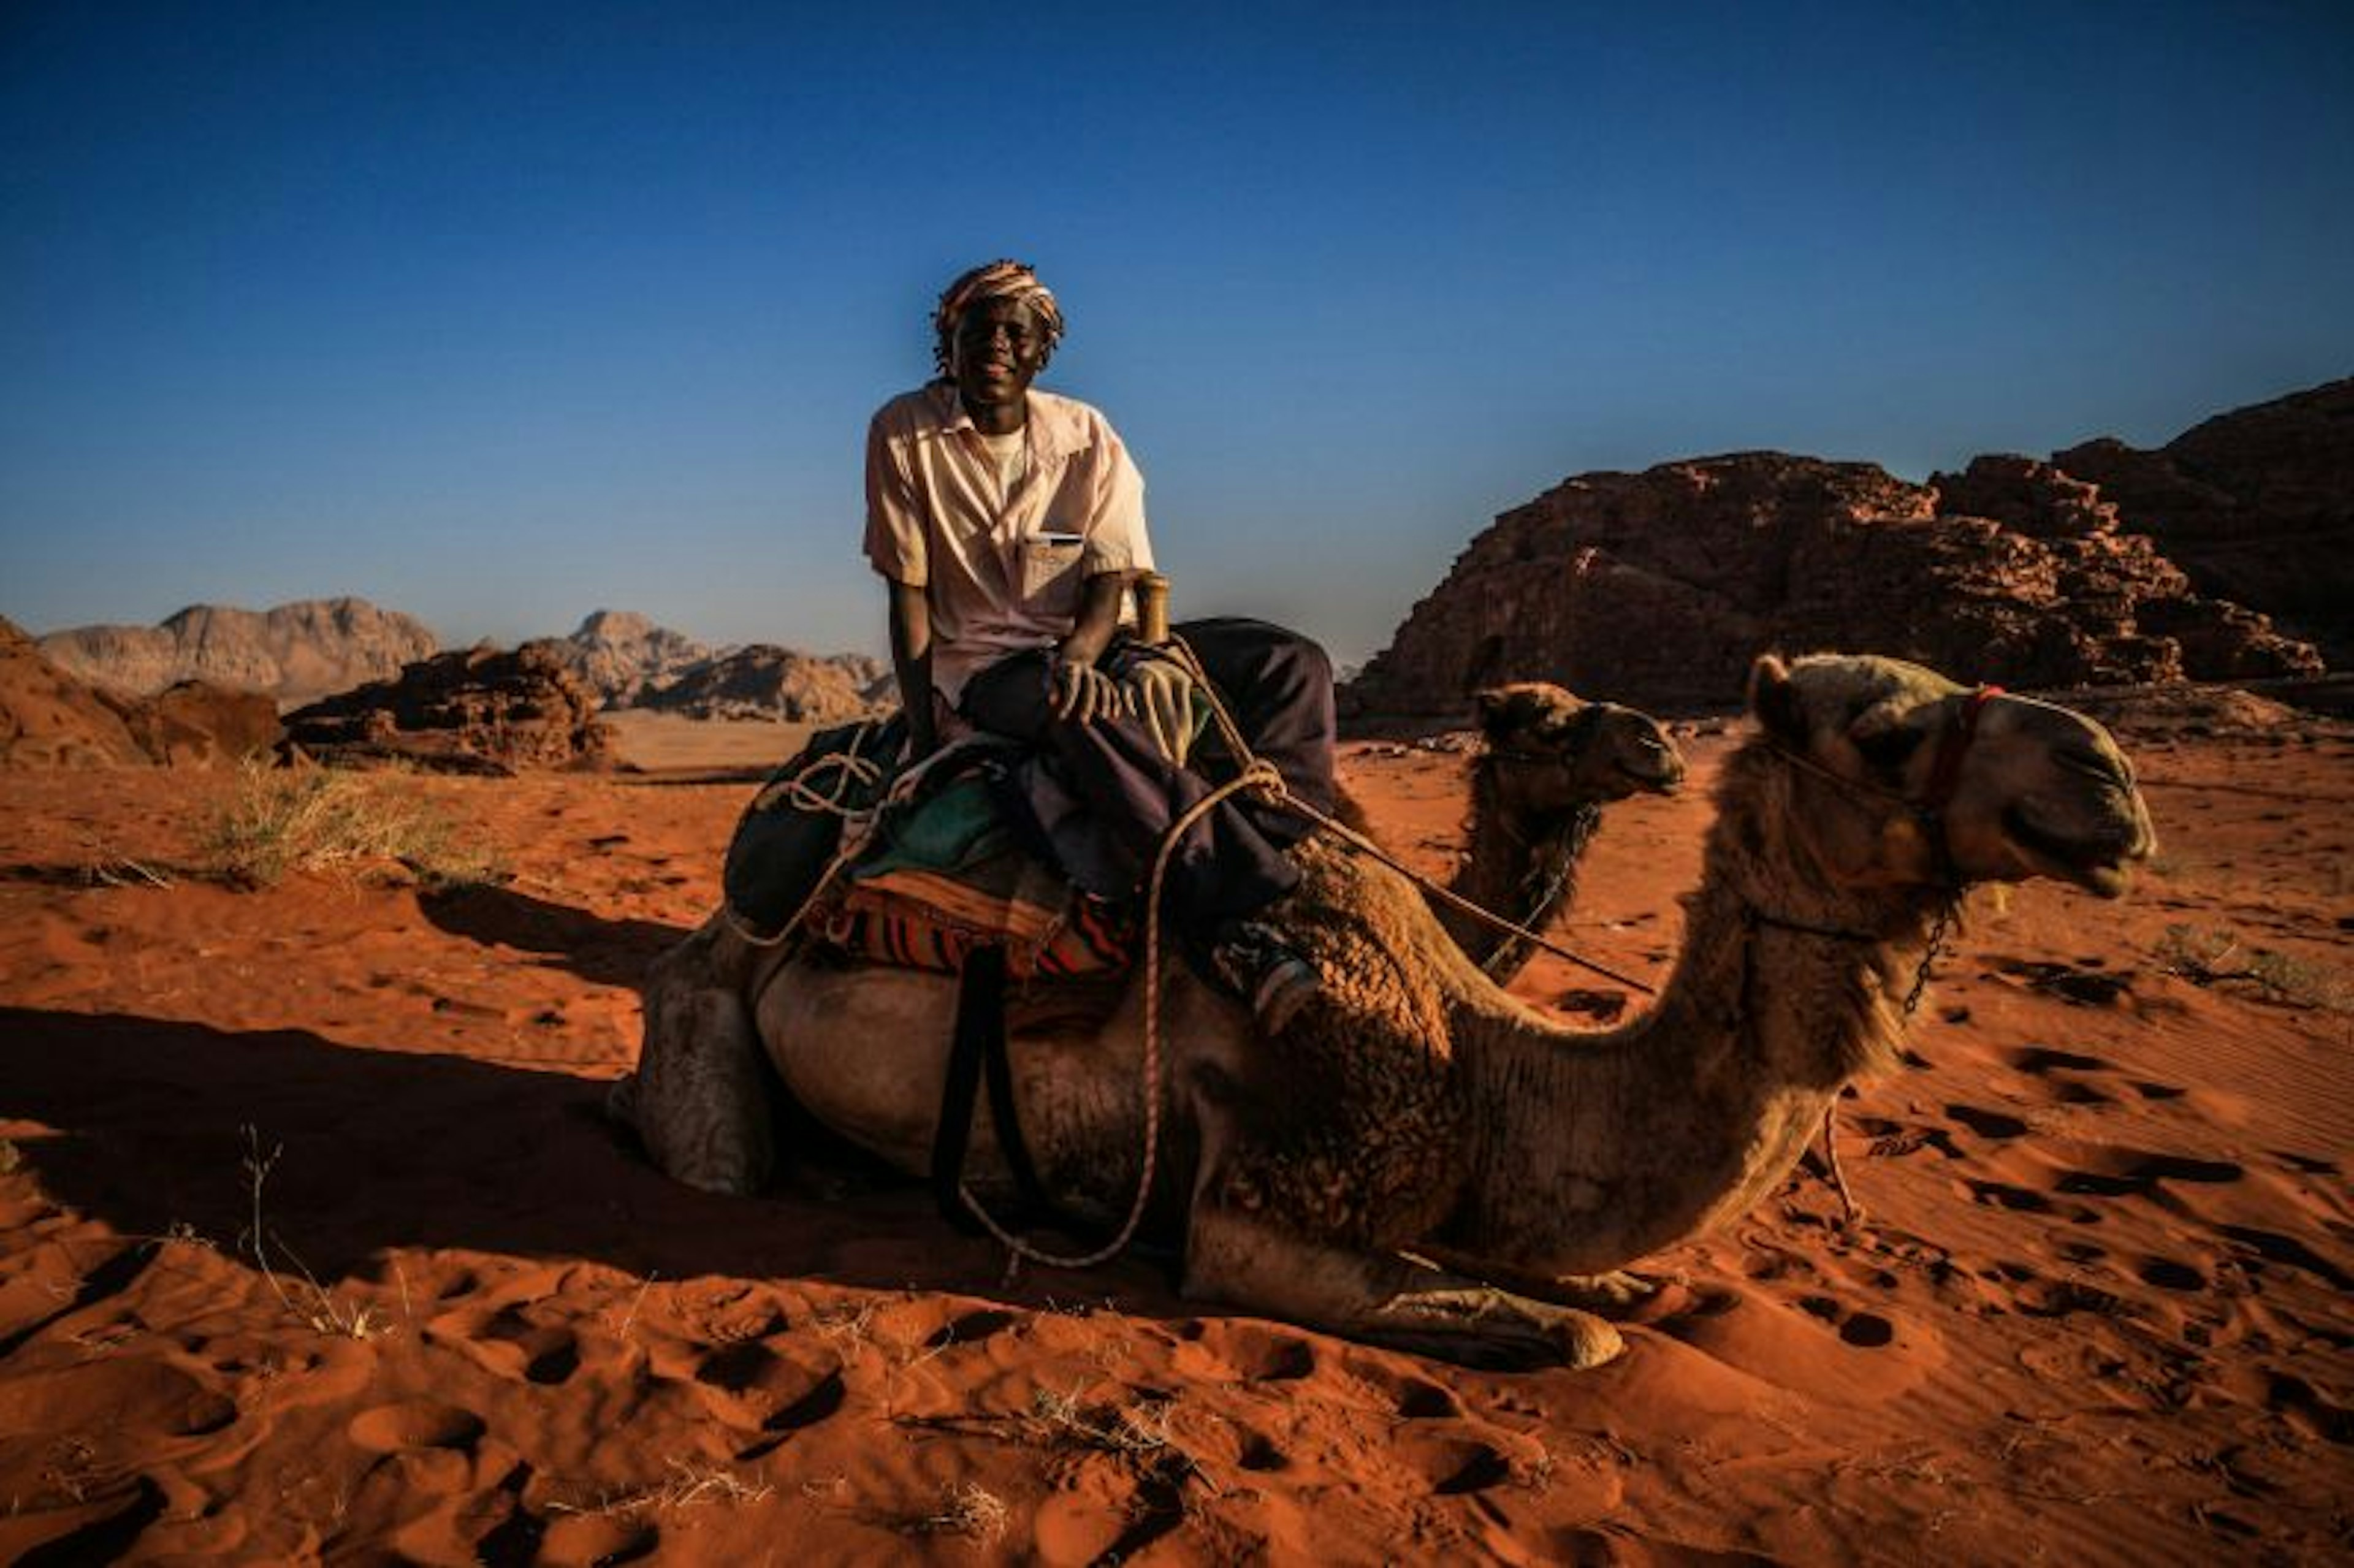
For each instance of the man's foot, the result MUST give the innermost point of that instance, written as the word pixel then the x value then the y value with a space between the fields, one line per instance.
pixel 1254 963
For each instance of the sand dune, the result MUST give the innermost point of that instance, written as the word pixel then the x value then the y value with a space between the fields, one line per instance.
pixel 2095 1313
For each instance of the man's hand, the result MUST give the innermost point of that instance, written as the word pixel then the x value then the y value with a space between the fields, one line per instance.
pixel 1161 695
pixel 1082 693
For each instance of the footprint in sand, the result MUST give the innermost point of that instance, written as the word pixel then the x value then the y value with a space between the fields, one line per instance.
pixel 2136 1173
pixel 2024 1201
pixel 1986 1124
pixel 2038 1061
pixel 2302 1406
pixel 771 1388
pixel 416 1424
pixel 426 1447
pixel 1454 1467
pixel 1865 1331
pixel 1261 1452
pixel 1894 1140
pixel 505 1342
pixel 2290 1252
pixel 1255 1354
pixel 971 1329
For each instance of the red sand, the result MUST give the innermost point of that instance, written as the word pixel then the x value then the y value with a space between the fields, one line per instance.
pixel 2097 1312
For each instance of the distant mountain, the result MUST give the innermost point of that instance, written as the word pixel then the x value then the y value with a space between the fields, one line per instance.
pixel 293 653
pixel 771 682
pixel 620 655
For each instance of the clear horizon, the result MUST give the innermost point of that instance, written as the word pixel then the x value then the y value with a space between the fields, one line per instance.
pixel 498 315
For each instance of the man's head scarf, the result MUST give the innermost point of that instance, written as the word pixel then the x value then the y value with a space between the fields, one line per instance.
pixel 992 281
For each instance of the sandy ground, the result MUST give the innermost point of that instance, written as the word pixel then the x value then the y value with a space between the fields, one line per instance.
pixel 2096 1312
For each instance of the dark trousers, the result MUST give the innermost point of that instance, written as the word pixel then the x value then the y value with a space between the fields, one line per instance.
pixel 1109 796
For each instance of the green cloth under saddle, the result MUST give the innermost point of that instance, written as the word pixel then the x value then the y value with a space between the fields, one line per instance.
pixel 941 876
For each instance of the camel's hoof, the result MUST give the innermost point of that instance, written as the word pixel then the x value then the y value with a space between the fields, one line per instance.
pixel 1588 1341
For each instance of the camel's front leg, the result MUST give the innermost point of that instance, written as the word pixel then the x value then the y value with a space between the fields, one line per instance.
pixel 699 1100
pixel 1241 1257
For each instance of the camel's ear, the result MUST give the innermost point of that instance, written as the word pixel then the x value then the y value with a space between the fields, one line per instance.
pixel 1505 709
pixel 1773 699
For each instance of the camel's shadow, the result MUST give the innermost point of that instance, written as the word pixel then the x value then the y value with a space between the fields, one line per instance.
pixel 600 950
pixel 385 1149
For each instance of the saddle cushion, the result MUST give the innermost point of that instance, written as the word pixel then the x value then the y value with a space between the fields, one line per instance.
pixel 945 876
pixel 942 875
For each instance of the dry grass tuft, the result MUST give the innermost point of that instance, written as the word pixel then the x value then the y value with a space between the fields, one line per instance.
pixel 967 1508
pixel 2216 957
pixel 276 820
pixel 690 1484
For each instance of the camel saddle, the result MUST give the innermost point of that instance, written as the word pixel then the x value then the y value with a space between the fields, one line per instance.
pixel 943 874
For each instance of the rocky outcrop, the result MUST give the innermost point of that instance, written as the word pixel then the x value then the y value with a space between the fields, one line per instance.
pixel 1661 587
pixel 764 682
pixel 2257 505
pixel 481 710
pixel 294 653
pixel 52 718
pixel 623 656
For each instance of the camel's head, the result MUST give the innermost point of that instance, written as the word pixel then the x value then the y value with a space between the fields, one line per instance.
pixel 1548 752
pixel 1903 778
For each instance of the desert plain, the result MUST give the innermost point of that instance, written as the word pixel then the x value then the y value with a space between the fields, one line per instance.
pixel 318 1246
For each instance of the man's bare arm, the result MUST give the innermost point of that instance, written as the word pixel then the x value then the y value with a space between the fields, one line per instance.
pixel 911 660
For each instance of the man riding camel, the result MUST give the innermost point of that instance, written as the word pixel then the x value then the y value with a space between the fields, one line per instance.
pixel 1010 524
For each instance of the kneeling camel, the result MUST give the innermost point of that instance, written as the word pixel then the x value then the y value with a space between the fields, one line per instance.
pixel 1416 1107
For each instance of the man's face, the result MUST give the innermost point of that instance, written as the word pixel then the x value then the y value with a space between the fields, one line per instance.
pixel 998 350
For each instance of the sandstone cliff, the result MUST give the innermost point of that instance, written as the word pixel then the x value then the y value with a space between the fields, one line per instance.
pixel 52 718
pixel 479 709
pixel 2257 505
pixel 765 682
pixel 1661 587
pixel 293 652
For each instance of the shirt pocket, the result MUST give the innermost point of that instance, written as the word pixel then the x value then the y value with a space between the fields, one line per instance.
pixel 1050 574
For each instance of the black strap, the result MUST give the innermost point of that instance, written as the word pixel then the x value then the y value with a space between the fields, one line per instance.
pixel 1003 1116
pixel 980 1015
pixel 979 1047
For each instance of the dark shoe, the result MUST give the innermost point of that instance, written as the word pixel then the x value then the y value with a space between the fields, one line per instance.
pixel 1255 964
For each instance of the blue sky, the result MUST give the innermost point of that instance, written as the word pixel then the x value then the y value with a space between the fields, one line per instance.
pixel 500 314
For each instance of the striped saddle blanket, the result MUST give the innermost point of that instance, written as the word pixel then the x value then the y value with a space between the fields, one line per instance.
pixel 944 875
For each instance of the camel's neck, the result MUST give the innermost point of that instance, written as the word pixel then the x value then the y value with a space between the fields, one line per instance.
pixel 1602 1149
pixel 1521 865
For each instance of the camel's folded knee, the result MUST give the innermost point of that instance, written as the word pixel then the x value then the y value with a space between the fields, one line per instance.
pixel 699 1100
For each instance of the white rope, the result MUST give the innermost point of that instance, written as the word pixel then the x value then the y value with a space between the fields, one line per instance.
pixel 858 825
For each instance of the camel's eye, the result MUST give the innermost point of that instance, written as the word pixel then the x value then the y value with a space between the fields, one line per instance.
pixel 1886 751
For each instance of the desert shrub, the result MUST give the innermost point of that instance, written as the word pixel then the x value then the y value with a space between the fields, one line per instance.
pixel 276 821
pixel 2214 956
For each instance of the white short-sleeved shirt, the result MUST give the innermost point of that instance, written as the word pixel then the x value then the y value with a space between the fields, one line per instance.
pixel 1001 571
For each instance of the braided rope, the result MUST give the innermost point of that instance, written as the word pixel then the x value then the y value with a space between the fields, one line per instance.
pixel 1256 775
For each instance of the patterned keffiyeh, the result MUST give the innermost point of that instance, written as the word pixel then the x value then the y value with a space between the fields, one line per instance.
pixel 1001 279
